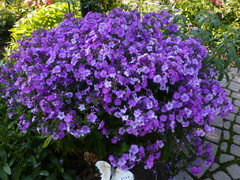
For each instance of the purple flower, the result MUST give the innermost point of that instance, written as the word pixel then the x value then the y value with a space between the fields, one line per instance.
pixel 196 170
pixel 101 125
pixel 122 161
pixel 55 136
pixel 61 115
pixel 149 162
pixel 137 113
pixel 133 149
pixel 163 118
pixel 58 104
pixel 184 97
pixel 209 129
pixel 121 131
pixel 56 69
pixel 81 107
pixel 69 94
pixel 92 117
pixel 114 140
pixel 68 118
pixel 23 124
pixel 157 79
pixel 169 106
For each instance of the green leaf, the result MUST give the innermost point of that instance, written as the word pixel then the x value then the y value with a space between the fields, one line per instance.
pixel 202 21
pixel 16 173
pixel 3 155
pixel 33 160
pixel 66 176
pixel 226 75
pixel 166 153
pixel 28 177
pixel 220 77
pixel 3 175
pixel 12 160
pixel 54 160
pixel 238 63
pixel 44 173
pixel 47 141
pixel 51 177
pixel 7 168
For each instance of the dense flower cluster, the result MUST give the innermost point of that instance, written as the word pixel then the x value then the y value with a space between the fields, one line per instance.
pixel 126 74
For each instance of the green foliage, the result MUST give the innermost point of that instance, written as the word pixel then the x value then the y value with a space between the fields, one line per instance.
pixel 10 12
pixel 46 17
pixel 231 12
pixel 17 7
pixel 7 20
pixel 23 156
pixel 108 5
pixel 228 12
pixel 142 5
pixel 102 6
pixel 218 27
pixel 221 39
pixel 190 8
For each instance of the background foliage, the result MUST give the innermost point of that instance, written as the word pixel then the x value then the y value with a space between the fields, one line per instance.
pixel 216 25
pixel 45 17
pixel 7 20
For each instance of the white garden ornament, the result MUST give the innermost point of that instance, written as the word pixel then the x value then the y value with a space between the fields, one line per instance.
pixel 108 173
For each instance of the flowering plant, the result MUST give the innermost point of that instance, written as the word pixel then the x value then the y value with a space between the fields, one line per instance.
pixel 217 3
pixel 125 77
pixel 37 3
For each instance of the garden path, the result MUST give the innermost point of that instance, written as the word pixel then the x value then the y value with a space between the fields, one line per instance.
pixel 225 140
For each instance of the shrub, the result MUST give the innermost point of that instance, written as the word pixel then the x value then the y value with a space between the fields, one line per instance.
pixel 122 82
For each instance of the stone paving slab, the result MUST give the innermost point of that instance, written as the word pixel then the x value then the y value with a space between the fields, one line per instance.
pixel 220 175
pixel 236 128
pixel 226 135
pixel 225 158
pixel 234 171
pixel 218 122
pixel 236 139
pixel 231 116
pixel 183 175
pixel 214 167
pixel 235 150
pixel 215 137
pixel 224 146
